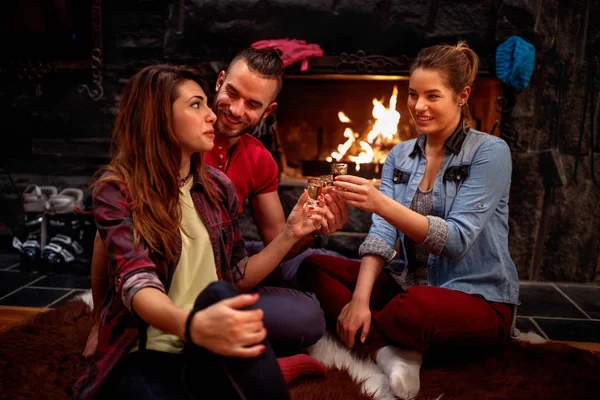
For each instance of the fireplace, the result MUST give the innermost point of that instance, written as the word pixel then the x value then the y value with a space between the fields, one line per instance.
pixel 325 116
pixel 554 234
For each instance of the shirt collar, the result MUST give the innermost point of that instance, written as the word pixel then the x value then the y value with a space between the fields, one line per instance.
pixel 198 181
pixel 197 177
pixel 453 144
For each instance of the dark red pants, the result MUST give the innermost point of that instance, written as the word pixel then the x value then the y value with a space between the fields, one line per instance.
pixel 422 317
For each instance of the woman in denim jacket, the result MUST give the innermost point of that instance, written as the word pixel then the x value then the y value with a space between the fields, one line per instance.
pixel 174 324
pixel 444 197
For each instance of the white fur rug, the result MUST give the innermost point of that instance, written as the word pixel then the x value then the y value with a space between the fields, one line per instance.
pixel 86 297
pixel 333 353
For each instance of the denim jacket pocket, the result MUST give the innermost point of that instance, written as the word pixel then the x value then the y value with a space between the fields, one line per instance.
pixel 400 176
pixel 453 177
pixel 456 173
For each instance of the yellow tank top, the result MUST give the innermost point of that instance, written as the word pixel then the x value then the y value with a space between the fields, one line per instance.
pixel 196 270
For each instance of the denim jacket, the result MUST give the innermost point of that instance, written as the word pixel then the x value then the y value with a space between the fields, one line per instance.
pixel 470 196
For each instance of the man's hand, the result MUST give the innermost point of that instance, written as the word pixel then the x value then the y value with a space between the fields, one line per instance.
pixel 336 215
pixel 354 316
pixel 226 330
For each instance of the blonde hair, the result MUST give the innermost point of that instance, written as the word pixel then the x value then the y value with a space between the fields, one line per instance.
pixel 457 64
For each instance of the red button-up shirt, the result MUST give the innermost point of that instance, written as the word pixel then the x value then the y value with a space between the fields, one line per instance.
pixel 249 165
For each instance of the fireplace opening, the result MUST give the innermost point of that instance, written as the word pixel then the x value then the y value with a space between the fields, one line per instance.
pixel 323 118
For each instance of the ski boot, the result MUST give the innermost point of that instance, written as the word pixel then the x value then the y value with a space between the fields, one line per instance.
pixel 34 226
pixel 64 230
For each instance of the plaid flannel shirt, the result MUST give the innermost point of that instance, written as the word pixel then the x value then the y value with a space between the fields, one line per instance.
pixel 119 326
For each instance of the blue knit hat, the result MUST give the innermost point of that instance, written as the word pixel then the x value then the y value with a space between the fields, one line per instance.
pixel 515 60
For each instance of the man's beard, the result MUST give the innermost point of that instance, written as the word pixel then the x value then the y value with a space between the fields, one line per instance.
pixel 225 131
pixel 231 133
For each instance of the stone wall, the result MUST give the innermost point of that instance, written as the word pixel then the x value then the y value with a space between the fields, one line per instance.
pixel 555 221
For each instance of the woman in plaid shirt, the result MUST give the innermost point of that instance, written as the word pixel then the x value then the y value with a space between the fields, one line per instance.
pixel 173 323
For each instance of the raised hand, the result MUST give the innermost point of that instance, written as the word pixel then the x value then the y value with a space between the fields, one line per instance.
pixel 359 192
pixel 305 219
pixel 336 215
pixel 226 330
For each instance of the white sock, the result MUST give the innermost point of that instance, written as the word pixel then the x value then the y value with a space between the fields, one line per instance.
pixel 402 367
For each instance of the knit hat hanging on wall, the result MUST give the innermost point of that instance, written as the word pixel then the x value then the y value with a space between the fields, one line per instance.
pixel 515 59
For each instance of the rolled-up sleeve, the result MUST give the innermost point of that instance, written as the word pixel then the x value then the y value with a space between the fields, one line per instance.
pixel 437 234
pixel 113 219
pixel 135 283
pixel 376 246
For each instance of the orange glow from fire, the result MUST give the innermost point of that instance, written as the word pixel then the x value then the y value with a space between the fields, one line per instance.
pixel 384 128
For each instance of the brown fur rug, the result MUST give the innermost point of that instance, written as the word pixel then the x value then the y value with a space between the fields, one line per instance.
pixel 41 359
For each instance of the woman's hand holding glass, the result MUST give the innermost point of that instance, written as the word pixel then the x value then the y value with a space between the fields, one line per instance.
pixel 305 218
pixel 360 193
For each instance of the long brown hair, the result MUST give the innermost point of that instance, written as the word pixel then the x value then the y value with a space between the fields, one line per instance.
pixel 458 64
pixel 147 155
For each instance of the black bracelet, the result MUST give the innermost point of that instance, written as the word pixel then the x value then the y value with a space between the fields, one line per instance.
pixel 188 322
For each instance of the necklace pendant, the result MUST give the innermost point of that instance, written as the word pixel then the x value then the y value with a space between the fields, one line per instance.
pixel 182 181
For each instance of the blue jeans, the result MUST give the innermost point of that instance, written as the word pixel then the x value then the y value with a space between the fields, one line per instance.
pixel 195 374
pixel 294 319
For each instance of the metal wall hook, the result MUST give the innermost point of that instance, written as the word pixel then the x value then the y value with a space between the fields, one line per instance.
pixel 97 92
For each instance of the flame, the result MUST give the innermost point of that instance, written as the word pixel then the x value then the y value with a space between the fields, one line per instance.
pixel 365 156
pixel 343 117
pixel 343 148
pixel 387 119
pixel 385 127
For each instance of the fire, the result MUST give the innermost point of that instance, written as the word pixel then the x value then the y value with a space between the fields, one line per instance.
pixel 348 133
pixel 384 128
pixel 343 148
pixel 343 117
pixel 365 156
pixel 387 119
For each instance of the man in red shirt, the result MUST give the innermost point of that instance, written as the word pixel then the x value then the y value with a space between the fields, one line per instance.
pixel 245 95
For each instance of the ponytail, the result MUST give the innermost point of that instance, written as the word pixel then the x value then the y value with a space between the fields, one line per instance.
pixel 458 65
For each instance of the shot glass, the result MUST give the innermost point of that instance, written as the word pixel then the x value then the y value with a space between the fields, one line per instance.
pixel 314 188
pixel 339 169
pixel 327 180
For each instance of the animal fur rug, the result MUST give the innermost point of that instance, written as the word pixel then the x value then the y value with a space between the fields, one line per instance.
pixel 40 359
